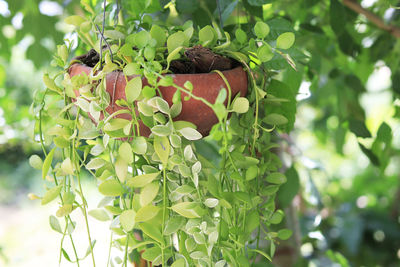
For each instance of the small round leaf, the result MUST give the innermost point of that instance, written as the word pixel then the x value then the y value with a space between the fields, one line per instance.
pixel 261 29
pixel 285 40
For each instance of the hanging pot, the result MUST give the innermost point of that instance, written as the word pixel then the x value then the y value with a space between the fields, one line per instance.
pixel 205 85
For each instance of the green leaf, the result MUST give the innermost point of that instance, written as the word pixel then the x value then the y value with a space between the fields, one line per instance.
pixel 95 163
pixel 199 238
pixel 121 168
pixel 146 213
pixel 162 148
pixel 66 166
pixel 196 167
pixel 252 221
pixel 62 52
pixel 261 253
pixel 211 202
pixel 64 210
pixel 85 27
pixel 284 234
pixel 190 244
pixel 251 172
pixel 139 145
pixel 74 20
pixel 133 89
pixel 198 255
pixel 221 96
pixel 65 254
pixel 83 104
pixel 174 224
pixel 358 128
pixel 288 109
pixel 265 53
pixel 152 254
pixel 68 197
pixel 179 263
pixel 161 130
pixel 370 154
pixel 241 36
pixel 141 39
pixel 190 133
pixel 152 231
pixel 188 152
pixel 127 219
pixel 276 178
pixel 337 16
pixel 186 209
pixel 178 125
pixel 116 124
pixel 277 217
pixel 132 69
pixel 241 105
pixel 285 40
pixel 162 105
pixel 51 194
pixel 125 152
pixel 175 140
pixel 54 224
pixel 47 163
pixel 220 111
pixel 184 171
pixel 149 53
pixel 51 84
pixel 384 133
pixel 36 162
pixel 261 29
pixel 99 214
pixel 148 193
pixel 142 180
pixel 175 40
pixel 275 119
pixel 158 34
pixel 174 54
pixel 290 189
pixel 114 34
pixel 111 188
pixel 207 36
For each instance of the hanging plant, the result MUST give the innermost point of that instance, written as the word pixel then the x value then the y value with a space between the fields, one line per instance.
pixel 174 124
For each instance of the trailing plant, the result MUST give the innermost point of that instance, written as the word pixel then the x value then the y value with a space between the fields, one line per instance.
pixel 174 197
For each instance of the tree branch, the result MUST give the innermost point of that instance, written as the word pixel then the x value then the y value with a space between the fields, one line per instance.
pixel 353 5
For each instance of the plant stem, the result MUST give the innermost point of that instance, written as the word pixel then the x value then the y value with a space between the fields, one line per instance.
pixel 109 249
pixel 74 249
pixel 126 251
pixel 164 210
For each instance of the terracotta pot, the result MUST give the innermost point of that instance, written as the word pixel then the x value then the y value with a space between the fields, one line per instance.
pixel 205 85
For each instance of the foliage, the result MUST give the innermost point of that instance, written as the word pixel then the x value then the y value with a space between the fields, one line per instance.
pixel 344 53
pixel 217 212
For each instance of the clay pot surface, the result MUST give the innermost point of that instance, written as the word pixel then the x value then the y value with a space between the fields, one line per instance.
pixel 205 85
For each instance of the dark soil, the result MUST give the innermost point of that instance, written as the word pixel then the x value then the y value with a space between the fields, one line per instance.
pixel 206 60
pixel 198 60
pixel 90 58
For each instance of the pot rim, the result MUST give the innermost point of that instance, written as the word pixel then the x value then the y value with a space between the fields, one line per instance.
pixel 167 74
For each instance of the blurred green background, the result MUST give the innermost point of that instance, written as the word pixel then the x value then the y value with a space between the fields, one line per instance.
pixel 343 192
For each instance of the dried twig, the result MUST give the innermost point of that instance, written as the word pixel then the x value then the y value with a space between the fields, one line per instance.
pixel 353 5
